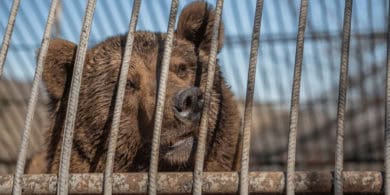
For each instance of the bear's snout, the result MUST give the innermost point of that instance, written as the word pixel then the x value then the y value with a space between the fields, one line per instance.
pixel 188 104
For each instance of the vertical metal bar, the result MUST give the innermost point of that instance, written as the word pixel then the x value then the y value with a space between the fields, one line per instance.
pixel 8 33
pixel 119 99
pixel 387 112
pixel 153 168
pixel 16 188
pixel 342 99
pixel 200 150
pixel 294 110
pixel 71 111
pixel 249 99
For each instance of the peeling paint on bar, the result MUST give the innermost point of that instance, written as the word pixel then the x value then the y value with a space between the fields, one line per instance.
pixel 215 182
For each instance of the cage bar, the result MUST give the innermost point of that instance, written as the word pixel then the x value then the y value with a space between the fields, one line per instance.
pixel 8 33
pixel 342 98
pixel 200 149
pixel 294 110
pixel 20 165
pixel 153 168
pixel 119 99
pixel 74 93
pixel 213 182
pixel 249 98
pixel 387 113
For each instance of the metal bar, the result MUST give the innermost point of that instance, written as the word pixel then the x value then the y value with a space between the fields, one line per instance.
pixel 200 149
pixel 282 38
pixel 294 110
pixel 305 125
pixel 342 98
pixel 244 184
pixel 8 34
pixel 20 165
pixel 387 113
pixel 213 182
pixel 266 38
pixel 73 100
pixel 119 99
pixel 153 168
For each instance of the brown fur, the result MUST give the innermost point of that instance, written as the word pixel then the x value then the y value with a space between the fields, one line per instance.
pixel 188 68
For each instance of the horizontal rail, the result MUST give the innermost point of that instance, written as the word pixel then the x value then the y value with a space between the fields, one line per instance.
pixel 213 182
pixel 266 38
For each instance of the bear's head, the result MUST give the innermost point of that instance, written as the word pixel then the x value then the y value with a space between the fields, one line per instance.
pixel 183 103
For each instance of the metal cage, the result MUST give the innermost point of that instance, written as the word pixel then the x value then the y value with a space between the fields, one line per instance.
pixel 196 182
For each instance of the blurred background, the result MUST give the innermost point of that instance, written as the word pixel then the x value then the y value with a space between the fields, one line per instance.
pixel 319 90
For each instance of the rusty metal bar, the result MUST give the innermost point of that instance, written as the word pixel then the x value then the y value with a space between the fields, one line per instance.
pixel 71 111
pixel 119 99
pixel 249 99
pixel 387 113
pixel 8 33
pixel 200 149
pixel 153 168
pixel 294 110
pixel 213 182
pixel 341 107
pixel 20 164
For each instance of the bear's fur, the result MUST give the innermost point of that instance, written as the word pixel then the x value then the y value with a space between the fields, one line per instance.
pixel 188 68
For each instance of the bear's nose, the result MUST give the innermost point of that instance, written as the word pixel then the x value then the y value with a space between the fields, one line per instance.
pixel 188 104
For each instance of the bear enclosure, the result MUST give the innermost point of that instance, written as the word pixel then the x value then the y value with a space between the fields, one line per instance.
pixel 312 79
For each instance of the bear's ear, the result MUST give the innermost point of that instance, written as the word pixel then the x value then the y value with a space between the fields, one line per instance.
pixel 58 67
pixel 196 25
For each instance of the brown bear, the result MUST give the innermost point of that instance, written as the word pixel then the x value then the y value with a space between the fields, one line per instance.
pixel 183 105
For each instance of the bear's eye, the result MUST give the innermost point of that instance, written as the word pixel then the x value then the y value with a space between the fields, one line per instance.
pixel 131 85
pixel 181 70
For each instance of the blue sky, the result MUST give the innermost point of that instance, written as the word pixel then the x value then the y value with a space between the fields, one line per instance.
pixel 277 49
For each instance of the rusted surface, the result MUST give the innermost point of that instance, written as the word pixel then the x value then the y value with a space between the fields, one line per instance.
pixel 222 182
pixel 313 181
pixel 368 181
